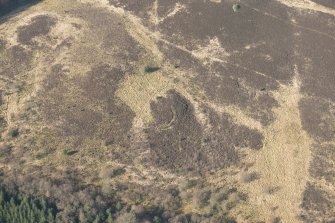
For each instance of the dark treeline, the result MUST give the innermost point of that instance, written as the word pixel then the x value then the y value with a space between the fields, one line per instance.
pixel 25 209
pixel 21 208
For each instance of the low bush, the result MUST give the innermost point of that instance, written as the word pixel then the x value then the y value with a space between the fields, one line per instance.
pixel 13 133
pixel 201 198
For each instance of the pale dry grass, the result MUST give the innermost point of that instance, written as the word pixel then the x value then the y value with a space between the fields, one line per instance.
pixel 216 1
pixel 139 89
pixel 283 162
pixel 308 5
pixel 212 49
pixel 238 115
pixel 156 19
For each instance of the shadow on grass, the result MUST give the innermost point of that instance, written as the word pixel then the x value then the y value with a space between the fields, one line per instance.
pixel 68 152
pixel 149 69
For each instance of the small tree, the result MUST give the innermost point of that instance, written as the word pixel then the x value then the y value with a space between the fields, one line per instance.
pixel 236 7
pixel 157 219
pixel 109 216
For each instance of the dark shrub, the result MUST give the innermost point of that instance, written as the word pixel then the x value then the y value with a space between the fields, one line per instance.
pixel 149 69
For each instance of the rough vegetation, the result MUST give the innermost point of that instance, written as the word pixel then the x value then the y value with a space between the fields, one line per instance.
pixel 161 111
